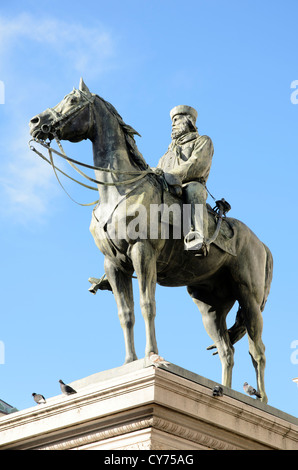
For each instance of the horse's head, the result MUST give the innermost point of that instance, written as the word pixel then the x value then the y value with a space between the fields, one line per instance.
pixel 71 119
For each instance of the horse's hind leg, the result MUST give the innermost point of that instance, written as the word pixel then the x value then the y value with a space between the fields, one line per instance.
pixel 122 290
pixel 214 320
pixel 252 273
pixel 254 326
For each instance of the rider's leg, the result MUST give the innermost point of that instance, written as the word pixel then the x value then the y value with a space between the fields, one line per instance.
pixel 195 194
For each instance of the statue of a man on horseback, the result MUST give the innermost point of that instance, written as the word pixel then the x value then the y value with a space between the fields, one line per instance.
pixel 238 268
pixel 187 166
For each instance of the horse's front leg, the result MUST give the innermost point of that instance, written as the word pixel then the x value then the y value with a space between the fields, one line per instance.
pixel 144 261
pixel 122 290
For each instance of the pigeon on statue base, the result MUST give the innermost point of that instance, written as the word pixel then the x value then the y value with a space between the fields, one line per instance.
pixel 38 398
pixel 217 391
pixel 250 390
pixel 66 389
pixel 157 360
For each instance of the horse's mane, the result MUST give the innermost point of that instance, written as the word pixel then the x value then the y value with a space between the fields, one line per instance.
pixel 129 132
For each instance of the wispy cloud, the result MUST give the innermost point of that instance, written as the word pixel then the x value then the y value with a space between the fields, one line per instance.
pixel 35 53
pixel 83 48
pixel 27 187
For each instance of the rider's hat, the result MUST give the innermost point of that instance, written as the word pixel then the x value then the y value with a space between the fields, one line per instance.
pixel 183 109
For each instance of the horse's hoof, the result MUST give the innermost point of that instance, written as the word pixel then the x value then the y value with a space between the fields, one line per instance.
pixel 130 359
pixel 147 355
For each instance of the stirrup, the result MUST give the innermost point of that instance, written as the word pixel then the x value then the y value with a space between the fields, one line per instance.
pixel 193 240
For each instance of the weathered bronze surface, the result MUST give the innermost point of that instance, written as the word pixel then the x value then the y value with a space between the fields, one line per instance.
pixel 238 266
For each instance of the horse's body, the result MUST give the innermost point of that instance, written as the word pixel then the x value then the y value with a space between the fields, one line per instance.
pixel 214 282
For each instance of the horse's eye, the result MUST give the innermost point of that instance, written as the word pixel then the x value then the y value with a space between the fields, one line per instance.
pixel 71 99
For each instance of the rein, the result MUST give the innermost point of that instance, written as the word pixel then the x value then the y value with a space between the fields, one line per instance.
pixel 73 163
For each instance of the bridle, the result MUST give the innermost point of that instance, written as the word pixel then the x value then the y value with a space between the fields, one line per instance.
pixel 58 122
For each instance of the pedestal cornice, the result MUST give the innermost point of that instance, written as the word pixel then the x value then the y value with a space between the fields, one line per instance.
pixel 139 407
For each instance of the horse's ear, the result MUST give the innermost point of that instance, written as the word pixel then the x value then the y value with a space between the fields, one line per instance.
pixel 83 86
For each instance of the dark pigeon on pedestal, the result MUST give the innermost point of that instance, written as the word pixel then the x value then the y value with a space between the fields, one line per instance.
pixel 66 389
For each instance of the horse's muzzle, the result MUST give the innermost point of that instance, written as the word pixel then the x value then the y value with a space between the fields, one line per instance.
pixel 40 131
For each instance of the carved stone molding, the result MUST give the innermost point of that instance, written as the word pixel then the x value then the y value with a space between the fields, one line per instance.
pixel 149 409
pixel 170 428
pixel 99 435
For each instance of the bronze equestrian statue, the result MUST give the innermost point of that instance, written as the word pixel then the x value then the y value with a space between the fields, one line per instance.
pixel 236 266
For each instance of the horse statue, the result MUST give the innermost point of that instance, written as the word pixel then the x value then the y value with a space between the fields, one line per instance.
pixel 237 268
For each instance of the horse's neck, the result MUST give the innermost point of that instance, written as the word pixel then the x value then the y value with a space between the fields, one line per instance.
pixel 109 151
pixel 109 144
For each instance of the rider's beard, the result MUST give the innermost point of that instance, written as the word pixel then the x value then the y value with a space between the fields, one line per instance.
pixel 178 131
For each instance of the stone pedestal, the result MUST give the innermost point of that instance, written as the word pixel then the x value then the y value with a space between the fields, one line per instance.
pixel 139 407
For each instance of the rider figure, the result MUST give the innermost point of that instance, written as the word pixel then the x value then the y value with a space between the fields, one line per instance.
pixel 188 161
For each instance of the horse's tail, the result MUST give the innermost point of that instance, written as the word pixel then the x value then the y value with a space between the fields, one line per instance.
pixel 268 276
pixel 238 330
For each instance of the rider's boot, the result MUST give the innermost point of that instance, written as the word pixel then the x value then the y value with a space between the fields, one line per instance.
pixel 196 239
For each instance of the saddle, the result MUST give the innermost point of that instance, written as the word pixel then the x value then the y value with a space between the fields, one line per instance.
pixel 225 239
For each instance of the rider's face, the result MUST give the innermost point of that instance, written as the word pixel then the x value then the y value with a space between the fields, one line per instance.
pixel 180 125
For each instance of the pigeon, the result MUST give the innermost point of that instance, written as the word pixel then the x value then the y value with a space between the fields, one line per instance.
pixel 217 391
pixel 38 398
pixel 66 389
pixel 157 360
pixel 250 390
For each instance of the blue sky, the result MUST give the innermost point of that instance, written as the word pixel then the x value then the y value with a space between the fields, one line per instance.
pixel 234 62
